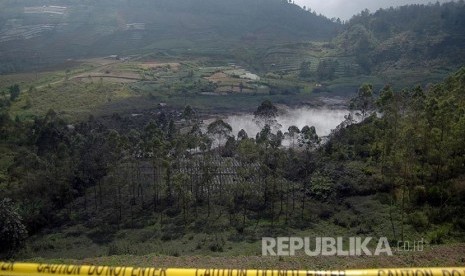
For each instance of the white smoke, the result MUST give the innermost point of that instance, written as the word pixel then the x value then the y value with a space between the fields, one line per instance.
pixel 323 119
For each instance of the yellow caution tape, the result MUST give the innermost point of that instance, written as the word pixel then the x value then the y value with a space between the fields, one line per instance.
pixel 30 269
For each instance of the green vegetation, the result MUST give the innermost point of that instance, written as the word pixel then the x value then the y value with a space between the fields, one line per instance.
pixel 440 255
pixel 102 87
pixel 111 156
pixel 422 41
pixel 14 92
pixel 129 189
pixel 12 231
pixel 406 37
pixel 101 29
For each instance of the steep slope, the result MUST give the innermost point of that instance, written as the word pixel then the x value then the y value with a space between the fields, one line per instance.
pixel 407 37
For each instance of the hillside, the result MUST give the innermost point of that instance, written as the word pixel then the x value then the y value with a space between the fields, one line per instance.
pixel 153 183
pixel 404 46
pixel 113 137
pixel 407 37
pixel 35 33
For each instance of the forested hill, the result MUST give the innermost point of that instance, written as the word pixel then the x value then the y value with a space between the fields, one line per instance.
pixel 264 34
pixel 36 32
pixel 407 36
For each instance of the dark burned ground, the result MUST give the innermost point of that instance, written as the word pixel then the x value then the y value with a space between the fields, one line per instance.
pixel 432 256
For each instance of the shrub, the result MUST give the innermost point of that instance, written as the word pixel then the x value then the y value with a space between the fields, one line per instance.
pixel 418 220
pixel 14 92
pixel 12 231
pixel 460 224
pixel 438 236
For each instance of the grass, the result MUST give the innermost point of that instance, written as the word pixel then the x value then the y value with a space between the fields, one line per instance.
pixel 175 246
pixel 72 99
pixel 444 255
pixel 75 98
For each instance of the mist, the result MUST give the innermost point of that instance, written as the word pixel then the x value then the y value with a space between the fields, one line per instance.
pixel 346 9
pixel 323 119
